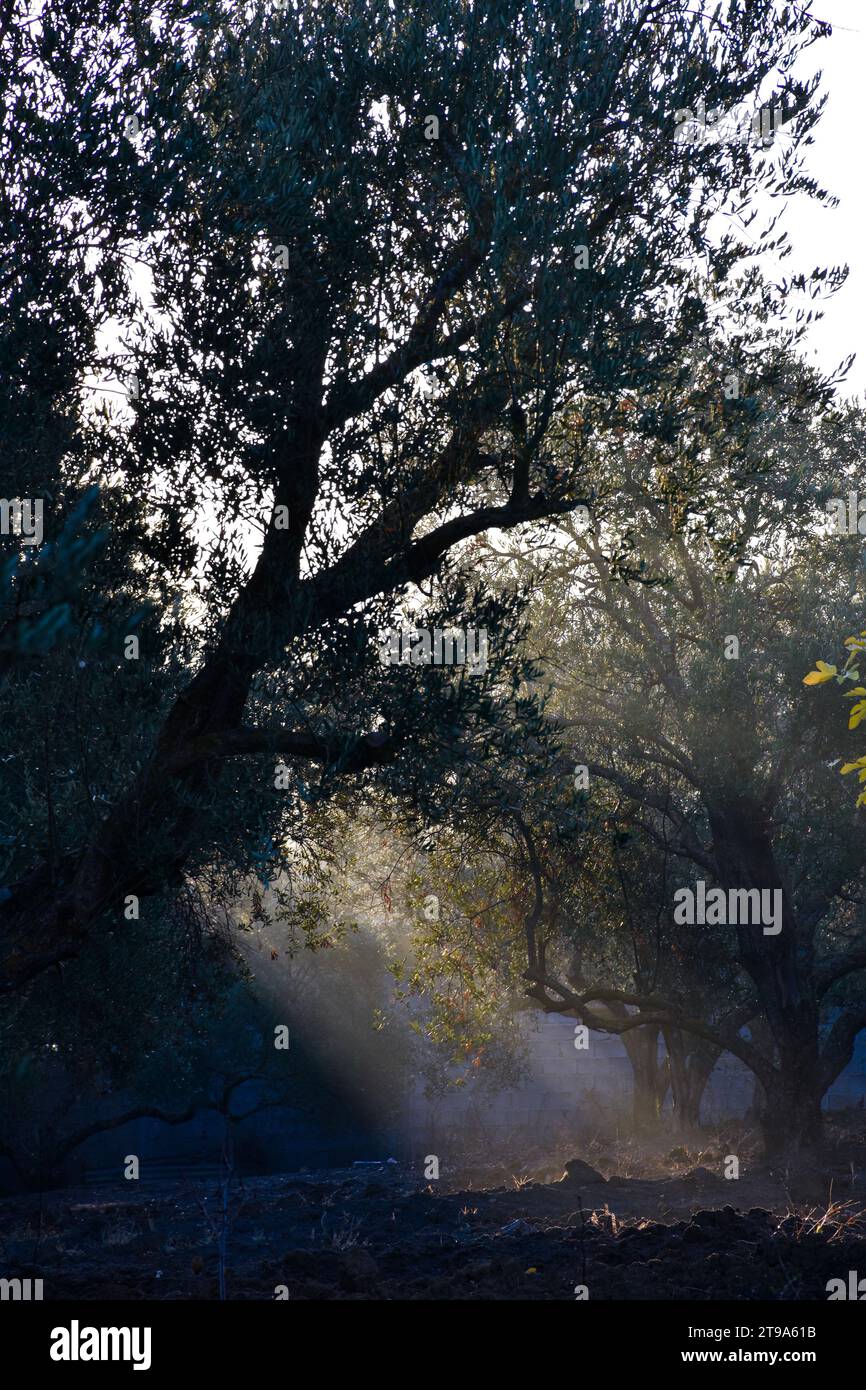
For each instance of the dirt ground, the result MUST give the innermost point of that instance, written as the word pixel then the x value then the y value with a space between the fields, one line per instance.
pixel 677 1230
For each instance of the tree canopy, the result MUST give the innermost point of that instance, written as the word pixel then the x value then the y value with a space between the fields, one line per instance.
pixel 347 267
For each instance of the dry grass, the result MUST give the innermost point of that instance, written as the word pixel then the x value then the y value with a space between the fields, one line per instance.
pixel 837 1220
pixel 119 1233
pixel 346 1236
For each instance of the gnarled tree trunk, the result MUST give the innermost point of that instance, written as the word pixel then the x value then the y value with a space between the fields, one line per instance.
pixel 691 1061
pixel 650 1076
pixel 791 1120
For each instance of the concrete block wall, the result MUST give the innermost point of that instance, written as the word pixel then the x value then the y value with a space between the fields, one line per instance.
pixel 578 1088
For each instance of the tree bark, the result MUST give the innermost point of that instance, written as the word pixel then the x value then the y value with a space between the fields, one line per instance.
pixel 691 1061
pixel 649 1077
pixel 792 1119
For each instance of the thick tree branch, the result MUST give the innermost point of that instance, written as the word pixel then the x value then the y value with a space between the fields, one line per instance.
pixel 827 975
pixel 838 1045
pixel 661 1014
pixel 348 753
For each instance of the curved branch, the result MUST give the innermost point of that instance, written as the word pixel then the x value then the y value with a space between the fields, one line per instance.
pixel 661 1014
pixel 348 753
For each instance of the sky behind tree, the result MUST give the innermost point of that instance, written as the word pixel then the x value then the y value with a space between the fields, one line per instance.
pixel 825 236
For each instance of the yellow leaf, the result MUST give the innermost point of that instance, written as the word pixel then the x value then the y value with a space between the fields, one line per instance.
pixel 858 690
pixel 858 714
pixel 823 673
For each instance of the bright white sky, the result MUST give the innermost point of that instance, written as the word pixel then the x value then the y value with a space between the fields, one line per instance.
pixel 837 160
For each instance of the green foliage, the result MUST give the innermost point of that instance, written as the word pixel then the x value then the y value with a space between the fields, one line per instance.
pixel 352 348
pixel 694 760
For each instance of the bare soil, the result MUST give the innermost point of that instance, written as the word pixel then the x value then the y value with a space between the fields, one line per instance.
pixel 385 1233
